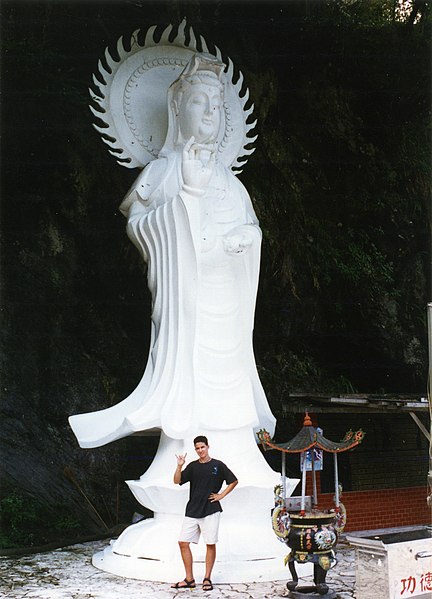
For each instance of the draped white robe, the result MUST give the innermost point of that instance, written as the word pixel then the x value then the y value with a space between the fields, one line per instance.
pixel 201 372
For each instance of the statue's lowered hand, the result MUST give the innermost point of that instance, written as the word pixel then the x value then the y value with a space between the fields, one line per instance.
pixel 197 165
pixel 239 240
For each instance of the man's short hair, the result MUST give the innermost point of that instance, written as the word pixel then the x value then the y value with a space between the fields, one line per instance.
pixel 201 439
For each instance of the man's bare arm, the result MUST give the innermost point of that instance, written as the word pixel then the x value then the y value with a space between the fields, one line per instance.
pixel 218 496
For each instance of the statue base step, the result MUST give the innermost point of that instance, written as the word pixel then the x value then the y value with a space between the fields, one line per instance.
pixel 248 555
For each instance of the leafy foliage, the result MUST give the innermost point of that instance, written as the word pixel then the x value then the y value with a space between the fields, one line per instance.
pixel 25 521
pixel 346 208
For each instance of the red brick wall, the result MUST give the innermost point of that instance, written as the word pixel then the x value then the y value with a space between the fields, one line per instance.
pixel 380 508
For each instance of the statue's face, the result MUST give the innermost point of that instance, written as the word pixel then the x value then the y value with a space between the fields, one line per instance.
pixel 199 113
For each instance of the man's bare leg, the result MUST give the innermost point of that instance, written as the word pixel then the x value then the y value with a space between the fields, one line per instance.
pixel 186 555
pixel 210 560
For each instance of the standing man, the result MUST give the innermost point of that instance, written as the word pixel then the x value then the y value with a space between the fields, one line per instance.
pixel 203 509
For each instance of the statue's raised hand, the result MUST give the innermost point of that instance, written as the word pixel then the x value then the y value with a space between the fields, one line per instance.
pixel 197 165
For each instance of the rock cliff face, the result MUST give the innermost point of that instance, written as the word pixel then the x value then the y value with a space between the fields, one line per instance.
pixel 340 182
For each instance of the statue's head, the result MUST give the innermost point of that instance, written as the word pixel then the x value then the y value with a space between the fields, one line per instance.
pixel 195 102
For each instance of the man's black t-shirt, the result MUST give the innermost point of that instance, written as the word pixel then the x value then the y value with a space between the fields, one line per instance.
pixel 205 479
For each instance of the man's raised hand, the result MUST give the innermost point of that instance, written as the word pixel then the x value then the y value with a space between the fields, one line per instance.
pixel 181 459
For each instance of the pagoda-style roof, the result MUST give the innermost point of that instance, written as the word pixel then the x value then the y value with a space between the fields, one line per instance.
pixel 310 437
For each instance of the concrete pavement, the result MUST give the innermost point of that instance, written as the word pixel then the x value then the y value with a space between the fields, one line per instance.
pixel 67 573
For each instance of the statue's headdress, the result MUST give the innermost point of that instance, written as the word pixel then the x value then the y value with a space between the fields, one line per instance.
pixel 131 99
pixel 204 69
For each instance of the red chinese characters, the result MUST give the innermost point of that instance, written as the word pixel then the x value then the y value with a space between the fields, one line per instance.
pixel 410 584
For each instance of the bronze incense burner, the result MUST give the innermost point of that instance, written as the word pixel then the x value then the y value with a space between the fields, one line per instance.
pixel 310 533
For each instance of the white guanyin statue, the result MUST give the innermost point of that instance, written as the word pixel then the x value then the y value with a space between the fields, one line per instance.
pixel 178 111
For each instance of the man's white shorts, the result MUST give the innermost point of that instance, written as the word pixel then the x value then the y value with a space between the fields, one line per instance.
pixel 193 527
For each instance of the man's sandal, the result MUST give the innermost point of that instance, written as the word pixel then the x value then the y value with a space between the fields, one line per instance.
pixel 189 584
pixel 207 585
